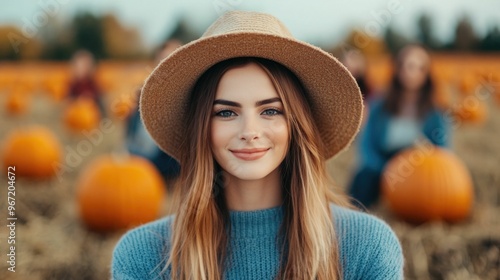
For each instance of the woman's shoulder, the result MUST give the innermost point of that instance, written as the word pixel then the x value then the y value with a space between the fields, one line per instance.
pixel 367 244
pixel 139 251
pixel 356 221
pixel 157 230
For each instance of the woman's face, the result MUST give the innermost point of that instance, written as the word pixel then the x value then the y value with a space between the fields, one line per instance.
pixel 249 133
pixel 414 69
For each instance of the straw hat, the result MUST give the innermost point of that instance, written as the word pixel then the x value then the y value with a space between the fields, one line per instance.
pixel 333 93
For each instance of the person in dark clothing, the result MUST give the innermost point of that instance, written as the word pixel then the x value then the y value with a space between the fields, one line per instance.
pixel 83 83
pixel 355 62
pixel 138 140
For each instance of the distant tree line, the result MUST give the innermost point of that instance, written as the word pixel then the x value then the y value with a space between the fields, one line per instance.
pixel 107 38
pixel 465 37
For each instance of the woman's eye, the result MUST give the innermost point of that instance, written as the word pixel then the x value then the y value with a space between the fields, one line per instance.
pixel 225 113
pixel 271 112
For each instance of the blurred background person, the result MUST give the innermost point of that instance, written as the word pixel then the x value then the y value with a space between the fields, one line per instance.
pixel 355 61
pixel 138 140
pixel 397 121
pixel 83 82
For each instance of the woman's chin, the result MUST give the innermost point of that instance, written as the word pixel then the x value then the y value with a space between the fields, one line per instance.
pixel 251 173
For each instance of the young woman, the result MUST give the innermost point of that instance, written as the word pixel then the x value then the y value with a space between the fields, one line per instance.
pixel 252 114
pixel 397 121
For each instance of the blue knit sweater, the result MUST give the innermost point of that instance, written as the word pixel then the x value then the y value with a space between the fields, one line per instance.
pixel 368 247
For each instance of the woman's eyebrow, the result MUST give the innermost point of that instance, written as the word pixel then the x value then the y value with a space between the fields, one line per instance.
pixel 227 102
pixel 267 101
pixel 236 104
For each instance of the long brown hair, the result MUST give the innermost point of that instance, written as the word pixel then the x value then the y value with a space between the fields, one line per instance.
pixel 201 228
pixel 394 97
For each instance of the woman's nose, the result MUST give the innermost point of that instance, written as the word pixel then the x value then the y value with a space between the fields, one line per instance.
pixel 250 129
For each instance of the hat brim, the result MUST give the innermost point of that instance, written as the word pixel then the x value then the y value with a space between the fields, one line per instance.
pixel 333 93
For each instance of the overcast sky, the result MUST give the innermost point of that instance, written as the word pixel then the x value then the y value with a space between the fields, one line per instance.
pixel 316 21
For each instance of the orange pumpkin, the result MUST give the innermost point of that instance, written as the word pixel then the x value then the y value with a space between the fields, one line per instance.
pixel 468 85
pixel 57 91
pixel 34 152
pixel 471 111
pixel 17 103
pixel 56 86
pixel 427 184
pixel 82 114
pixel 119 193
pixel 122 106
pixel 108 77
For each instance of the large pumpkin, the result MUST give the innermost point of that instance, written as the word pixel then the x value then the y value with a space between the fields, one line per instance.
pixel 82 114
pixel 119 193
pixel 34 151
pixel 427 184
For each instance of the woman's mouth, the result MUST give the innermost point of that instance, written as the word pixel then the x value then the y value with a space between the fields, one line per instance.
pixel 250 154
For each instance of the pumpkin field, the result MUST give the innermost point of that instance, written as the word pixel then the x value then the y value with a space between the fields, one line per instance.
pixel 77 189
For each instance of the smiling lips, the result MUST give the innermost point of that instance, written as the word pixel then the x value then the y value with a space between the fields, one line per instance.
pixel 250 154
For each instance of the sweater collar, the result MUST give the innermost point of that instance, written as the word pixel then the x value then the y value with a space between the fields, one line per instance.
pixel 256 223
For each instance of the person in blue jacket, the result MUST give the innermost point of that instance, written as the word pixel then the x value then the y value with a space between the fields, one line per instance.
pixel 397 121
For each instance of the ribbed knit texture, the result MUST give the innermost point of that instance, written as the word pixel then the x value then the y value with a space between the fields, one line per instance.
pixel 368 247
